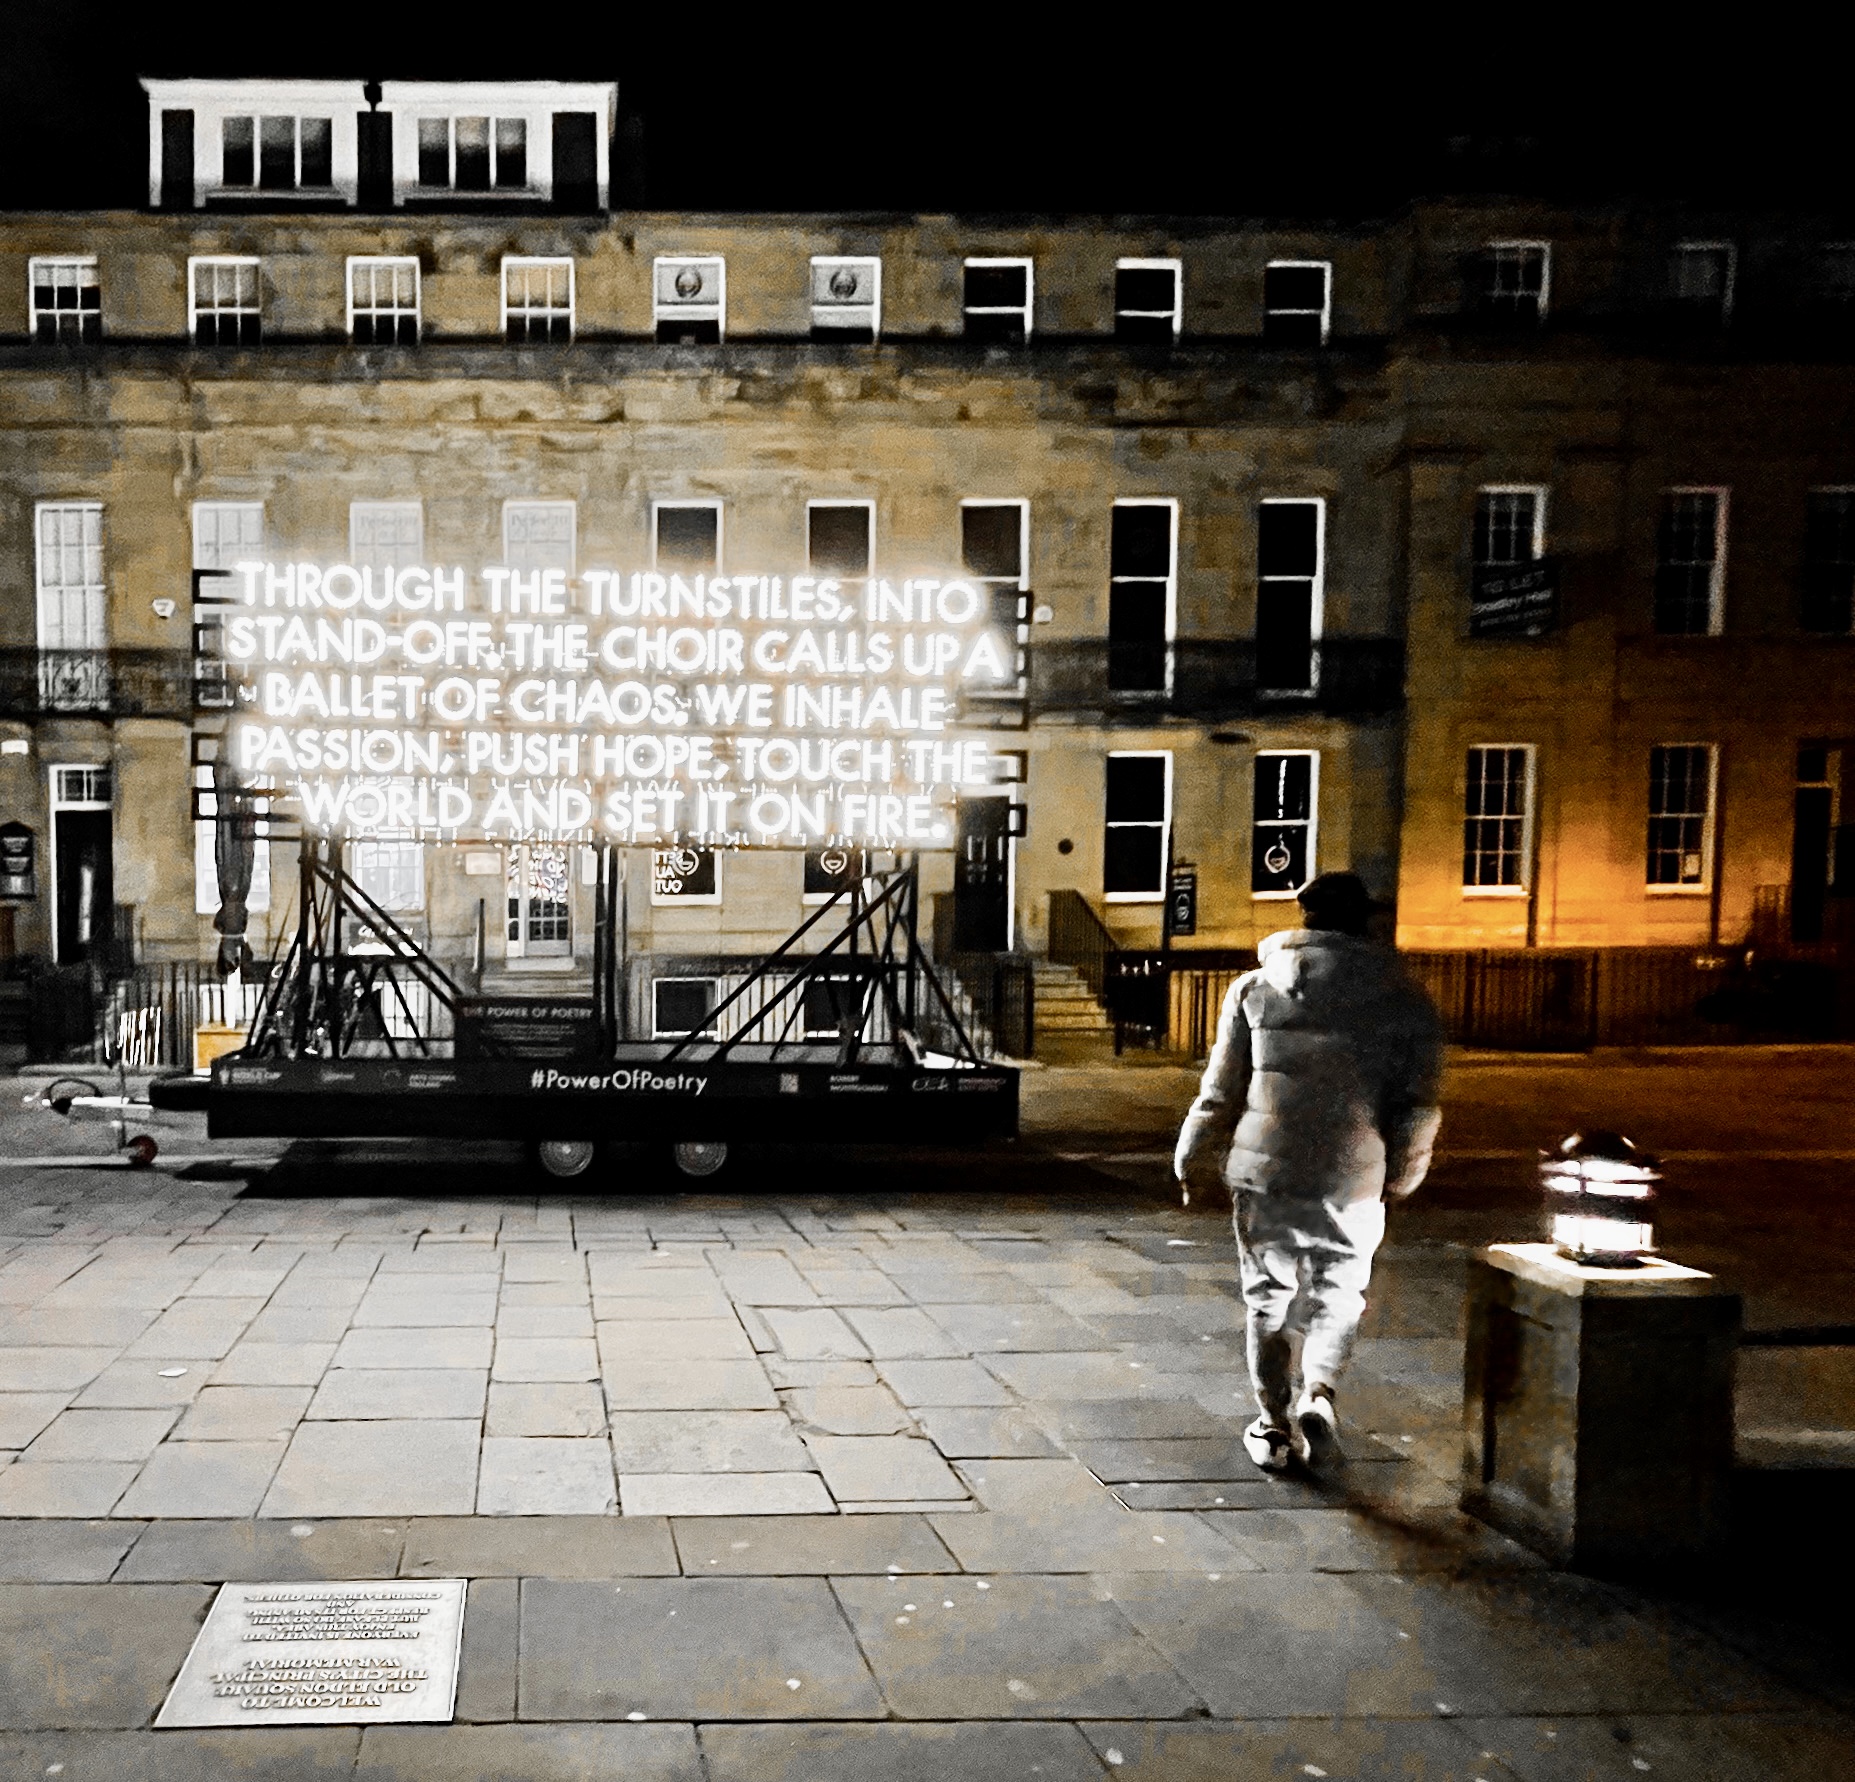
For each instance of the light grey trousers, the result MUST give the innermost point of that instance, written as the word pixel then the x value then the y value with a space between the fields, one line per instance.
pixel 1305 1268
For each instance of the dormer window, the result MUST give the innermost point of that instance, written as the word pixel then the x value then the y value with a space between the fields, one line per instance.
pixel 473 154
pixel 276 154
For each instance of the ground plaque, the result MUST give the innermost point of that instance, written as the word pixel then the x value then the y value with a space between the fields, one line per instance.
pixel 308 1654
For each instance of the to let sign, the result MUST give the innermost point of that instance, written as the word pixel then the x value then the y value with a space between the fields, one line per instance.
pixel 18 861
pixel 1515 600
pixel 1182 900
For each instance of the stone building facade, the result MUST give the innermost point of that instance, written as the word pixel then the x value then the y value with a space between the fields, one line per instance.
pixel 1262 486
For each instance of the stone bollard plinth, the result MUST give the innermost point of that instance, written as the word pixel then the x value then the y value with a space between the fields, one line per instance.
pixel 1598 1408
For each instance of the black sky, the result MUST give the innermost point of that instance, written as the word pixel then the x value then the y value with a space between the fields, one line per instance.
pixel 1108 109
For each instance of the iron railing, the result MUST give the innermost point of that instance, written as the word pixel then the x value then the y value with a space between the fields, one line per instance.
pixel 1079 938
pixel 107 683
pixel 1216 677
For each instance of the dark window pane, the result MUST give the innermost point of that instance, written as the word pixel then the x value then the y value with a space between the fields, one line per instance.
pixel 318 152
pixel 1278 857
pixel 686 537
pixel 434 151
pixel 1285 636
pixel 1136 789
pixel 840 540
pixel 1131 859
pixel 1294 287
pixel 1137 612
pixel 1145 287
pixel 238 165
pixel 91 326
pixel 1291 331
pixel 683 1005
pixel 996 330
pixel 991 542
pixel 831 869
pixel 277 154
pixel 1154 330
pixel 831 1005
pixel 843 333
pixel 673 331
pixel 407 330
pixel 1282 787
pixel 1141 541
pixel 1288 538
pixel 511 153
pixel 683 872
pixel 994 287
pixel 473 154
pixel 1828 597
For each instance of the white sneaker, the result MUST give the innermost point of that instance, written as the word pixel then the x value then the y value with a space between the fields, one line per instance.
pixel 1271 1447
pixel 1318 1428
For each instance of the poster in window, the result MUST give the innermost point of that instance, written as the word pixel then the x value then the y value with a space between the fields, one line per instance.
pixel 1515 599
pixel 683 875
pixel 18 862
pixel 830 870
pixel 1282 816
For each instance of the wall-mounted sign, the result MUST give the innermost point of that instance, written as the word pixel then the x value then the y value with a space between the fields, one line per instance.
pixel 19 876
pixel 1182 899
pixel 1521 601
pixel 703 710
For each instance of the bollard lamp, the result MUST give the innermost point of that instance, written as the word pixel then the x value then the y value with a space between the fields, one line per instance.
pixel 1599 1191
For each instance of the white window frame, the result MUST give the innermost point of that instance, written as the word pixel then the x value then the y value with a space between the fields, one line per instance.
pixel 517 864
pixel 825 316
pixel 1539 492
pixel 407 860
pixel 713 503
pixel 1528 817
pixel 359 555
pixel 1731 250
pixel 1703 887
pixel 1029 310
pixel 678 900
pixel 869 508
pixel 215 559
pixel 74 263
pixel 1716 587
pixel 1519 245
pixel 1847 489
pixel 1165 828
pixel 92 595
pixel 449 119
pixel 197 262
pixel 1022 504
pixel 1325 268
pixel 356 261
pixel 216 549
pixel 257 121
pixel 709 1032
pixel 1317 602
pixel 1177 269
pixel 1311 823
pixel 692 310
pixel 532 504
pixel 550 263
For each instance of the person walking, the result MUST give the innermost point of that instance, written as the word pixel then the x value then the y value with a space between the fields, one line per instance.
pixel 1318 1101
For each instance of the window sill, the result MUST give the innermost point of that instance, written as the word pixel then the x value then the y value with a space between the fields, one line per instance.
pixel 1133 897
pixel 1509 892
pixel 1677 890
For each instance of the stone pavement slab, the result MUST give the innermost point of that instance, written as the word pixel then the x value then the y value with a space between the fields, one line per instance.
pixel 349 1394
pixel 529 1754
pixel 688 1386
pixel 809 1546
pixel 707 1442
pixel 1073 1540
pixel 398 1467
pixel 1027 1647
pixel 1353 1540
pixel 964 1432
pixel 538 1547
pixel 848 1410
pixel 247 1551
pixel 1693 1747
pixel 623 1342
pixel 24 1414
pixel 1134 1419
pixel 236 1754
pixel 274 1364
pixel 691 1648
pixel 44 1552
pixel 723 1494
pixel 868 1469
pixel 52 1368
pixel 146 1384
pixel 446 1346
pixel 103 1435
pixel 901 1333
pixel 92 1655
pixel 1000 1751
pixel 203 1479
pixel 1357 1750
pixel 1008 1328
pixel 1189 1457
pixel 537 1360
pixel 949 1382
pixel 546 1476
pixel 551 1408
pixel 486 1659
pixel 243 1413
pixel 64 1487
pixel 570 1320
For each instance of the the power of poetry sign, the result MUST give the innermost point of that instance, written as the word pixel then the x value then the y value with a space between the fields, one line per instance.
pixel 706 710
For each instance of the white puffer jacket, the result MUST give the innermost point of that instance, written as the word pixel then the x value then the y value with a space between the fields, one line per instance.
pixel 1323 1082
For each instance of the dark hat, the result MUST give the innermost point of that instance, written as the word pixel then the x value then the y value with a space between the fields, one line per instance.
pixel 1336 900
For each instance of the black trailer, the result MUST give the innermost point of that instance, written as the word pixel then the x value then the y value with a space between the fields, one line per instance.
pixel 361 1034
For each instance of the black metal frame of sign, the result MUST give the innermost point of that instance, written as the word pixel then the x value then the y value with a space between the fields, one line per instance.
pixel 360 1033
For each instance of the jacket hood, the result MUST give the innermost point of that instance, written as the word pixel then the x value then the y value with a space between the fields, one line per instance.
pixel 1324 965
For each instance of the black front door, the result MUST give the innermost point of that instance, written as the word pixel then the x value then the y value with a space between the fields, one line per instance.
pixel 982 876
pixel 1810 845
pixel 86 886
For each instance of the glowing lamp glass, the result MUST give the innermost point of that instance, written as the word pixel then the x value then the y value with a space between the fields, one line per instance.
pixel 1599 1192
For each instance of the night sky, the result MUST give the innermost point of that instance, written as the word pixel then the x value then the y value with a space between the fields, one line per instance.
pixel 1107 109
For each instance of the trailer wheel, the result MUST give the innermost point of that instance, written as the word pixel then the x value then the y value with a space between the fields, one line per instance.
pixel 141 1151
pixel 700 1157
pixel 565 1158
